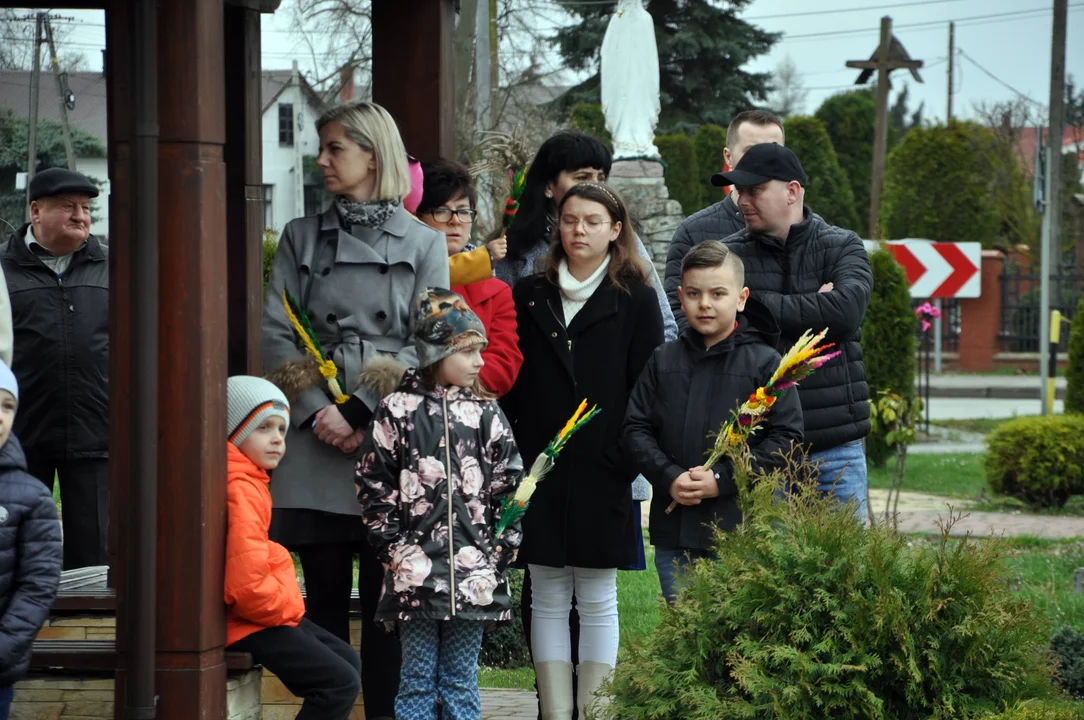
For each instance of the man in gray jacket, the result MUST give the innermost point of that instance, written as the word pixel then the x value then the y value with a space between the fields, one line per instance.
pixel 722 219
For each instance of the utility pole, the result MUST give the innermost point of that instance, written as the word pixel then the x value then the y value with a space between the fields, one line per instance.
pixel 299 169
pixel 1056 132
pixel 32 132
pixel 60 94
pixel 951 66
pixel 890 55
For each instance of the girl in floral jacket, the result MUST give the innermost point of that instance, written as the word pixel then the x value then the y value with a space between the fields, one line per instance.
pixel 434 470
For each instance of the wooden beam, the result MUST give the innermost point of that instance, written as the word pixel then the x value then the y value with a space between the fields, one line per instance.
pixel 880 137
pixel 191 678
pixel 414 40
pixel 244 183
pixel 892 64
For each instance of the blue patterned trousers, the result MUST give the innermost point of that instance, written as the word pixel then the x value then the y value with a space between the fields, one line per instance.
pixel 440 659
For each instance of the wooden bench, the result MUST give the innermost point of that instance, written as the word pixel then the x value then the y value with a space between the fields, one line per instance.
pixel 99 655
pixel 85 590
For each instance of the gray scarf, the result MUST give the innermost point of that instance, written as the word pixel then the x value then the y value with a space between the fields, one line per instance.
pixel 370 214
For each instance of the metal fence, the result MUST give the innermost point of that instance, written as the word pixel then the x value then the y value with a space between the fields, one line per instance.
pixel 1020 312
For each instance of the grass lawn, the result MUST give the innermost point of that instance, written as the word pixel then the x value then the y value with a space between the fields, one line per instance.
pixel 954 475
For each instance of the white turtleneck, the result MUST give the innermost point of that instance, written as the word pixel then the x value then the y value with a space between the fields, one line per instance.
pixel 575 294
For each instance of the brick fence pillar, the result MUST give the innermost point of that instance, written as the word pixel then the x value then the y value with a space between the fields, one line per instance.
pixel 980 318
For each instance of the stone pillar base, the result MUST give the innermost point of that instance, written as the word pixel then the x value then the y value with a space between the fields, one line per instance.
pixel 650 204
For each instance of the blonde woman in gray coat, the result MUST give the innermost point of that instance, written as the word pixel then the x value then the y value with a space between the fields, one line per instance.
pixel 355 271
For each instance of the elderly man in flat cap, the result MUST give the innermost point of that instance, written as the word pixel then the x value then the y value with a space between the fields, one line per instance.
pixel 58 282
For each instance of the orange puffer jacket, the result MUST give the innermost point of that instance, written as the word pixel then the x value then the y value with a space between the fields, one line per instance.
pixel 261 585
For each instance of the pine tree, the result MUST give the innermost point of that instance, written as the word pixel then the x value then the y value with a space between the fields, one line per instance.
pixel 703 48
pixel 850 118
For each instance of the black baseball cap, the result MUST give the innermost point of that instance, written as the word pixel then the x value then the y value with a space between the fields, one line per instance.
pixel 761 163
pixel 60 181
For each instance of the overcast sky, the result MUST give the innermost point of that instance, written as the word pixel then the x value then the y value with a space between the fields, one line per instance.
pixel 1009 39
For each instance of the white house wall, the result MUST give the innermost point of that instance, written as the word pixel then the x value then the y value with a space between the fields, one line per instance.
pixel 278 161
pixel 97 169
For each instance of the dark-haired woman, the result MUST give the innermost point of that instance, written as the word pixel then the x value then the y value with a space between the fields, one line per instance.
pixel 565 159
pixel 587 327
pixel 448 205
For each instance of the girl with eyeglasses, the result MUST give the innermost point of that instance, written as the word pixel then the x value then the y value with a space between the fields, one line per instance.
pixel 448 205
pixel 587 327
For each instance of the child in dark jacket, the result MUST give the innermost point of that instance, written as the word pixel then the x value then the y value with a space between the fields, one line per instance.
pixel 265 613
pixel 688 389
pixel 436 465
pixel 30 550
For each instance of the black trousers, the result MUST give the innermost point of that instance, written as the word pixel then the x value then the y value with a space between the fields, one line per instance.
pixel 329 575
pixel 312 663
pixel 573 627
pixel 84 501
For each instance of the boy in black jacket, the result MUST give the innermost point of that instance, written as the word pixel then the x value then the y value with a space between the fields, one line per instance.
pixel 687 390
pixel 30 550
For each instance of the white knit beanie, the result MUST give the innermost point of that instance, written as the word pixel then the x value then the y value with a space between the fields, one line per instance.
pixel 8 381
pixel 249 401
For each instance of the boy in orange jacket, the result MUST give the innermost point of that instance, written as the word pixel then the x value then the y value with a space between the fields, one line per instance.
pixel 265 610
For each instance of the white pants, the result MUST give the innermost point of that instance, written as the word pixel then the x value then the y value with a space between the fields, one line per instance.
pixel 596 601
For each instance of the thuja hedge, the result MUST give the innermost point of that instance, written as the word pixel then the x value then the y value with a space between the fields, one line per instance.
pixel 806 614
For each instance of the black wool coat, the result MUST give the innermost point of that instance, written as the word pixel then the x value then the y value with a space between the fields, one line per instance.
pixel 685 394
pixel 786 276
pixel 581 514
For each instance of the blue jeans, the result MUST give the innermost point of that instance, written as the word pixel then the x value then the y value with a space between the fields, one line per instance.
pixel 6 696
pixel 440 658
pixel 843 473
pixel 671 565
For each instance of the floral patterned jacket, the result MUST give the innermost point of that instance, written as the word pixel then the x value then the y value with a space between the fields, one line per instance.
pixel 435 537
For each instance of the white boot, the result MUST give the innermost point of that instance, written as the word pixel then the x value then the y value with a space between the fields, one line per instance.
pixel 554 689
pixel 589 678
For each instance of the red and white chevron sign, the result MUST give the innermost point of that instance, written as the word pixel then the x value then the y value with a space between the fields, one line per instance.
pixel 938 269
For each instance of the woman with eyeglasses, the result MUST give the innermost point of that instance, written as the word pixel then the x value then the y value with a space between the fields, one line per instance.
pixel 355 271
pixel 587 327
pixel 565 159
pixel 448 205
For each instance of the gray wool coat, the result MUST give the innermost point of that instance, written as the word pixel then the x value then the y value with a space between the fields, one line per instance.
pixel 358 289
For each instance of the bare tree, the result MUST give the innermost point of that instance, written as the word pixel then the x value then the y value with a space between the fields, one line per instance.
pixel 789 96
pixel 17 43
pixel 337 34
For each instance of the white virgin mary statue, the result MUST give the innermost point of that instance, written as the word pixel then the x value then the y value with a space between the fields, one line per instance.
pixel 630 81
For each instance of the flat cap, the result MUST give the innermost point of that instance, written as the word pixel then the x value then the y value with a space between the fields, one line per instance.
pixel 60 181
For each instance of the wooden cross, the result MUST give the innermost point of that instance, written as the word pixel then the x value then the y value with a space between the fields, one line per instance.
pixel 890 55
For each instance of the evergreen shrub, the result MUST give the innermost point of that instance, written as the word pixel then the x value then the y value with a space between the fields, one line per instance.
pixel 1067 647
pixel 505 647
pixel 805 613
pixel 1039 460
pixel 710 141
pixel 828 192
pixel 270 245
pixel 588 118
pixel 888 341
pixel 682 170
pixel 1074 370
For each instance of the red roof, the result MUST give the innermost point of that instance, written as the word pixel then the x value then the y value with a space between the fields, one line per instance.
pixel 1073 137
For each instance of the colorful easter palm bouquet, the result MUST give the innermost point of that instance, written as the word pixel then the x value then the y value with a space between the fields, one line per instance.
pixel 806 355
pixel 316 358
pixel 515 506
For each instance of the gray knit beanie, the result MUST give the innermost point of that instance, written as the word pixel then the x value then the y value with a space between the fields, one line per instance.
pixel 8 381
pixel 249 401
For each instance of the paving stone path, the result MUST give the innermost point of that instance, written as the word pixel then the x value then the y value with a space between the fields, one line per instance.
pixel 508 704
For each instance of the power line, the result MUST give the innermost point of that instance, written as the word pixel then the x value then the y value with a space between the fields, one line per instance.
pixel 1034 12
pixel 998 80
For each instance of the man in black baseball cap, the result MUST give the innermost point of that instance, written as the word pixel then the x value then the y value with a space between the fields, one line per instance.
pixel 58 277
pixel 770 183
pixel 813 276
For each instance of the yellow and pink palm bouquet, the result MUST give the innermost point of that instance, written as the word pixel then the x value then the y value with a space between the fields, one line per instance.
pixel 805 356
pixel 515 507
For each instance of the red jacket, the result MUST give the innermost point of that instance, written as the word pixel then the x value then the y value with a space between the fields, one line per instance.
pixel 261 583
pixel 491 301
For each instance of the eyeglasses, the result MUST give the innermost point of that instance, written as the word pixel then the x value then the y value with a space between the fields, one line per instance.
pixel 591 226
pixel 443 214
